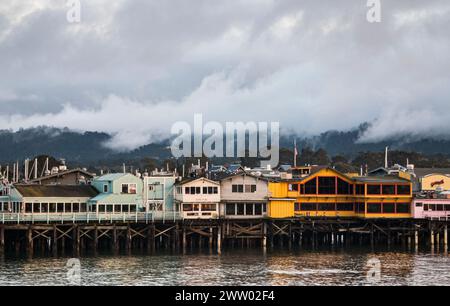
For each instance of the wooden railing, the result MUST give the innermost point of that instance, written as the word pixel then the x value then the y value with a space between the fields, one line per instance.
pixel 85 217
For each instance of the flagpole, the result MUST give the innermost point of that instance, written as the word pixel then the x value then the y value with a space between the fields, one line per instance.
pixel 295 153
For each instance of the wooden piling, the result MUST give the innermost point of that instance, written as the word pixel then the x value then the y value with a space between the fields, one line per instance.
pixel 219 240
pixel 128 239
pixel 95 238
pixel 30 245
pixel 55 241
pixel 210 238
pixel 2 239
pixel 446 237
pixel 115 240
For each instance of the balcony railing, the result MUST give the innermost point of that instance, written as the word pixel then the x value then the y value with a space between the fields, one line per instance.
pixel 90 217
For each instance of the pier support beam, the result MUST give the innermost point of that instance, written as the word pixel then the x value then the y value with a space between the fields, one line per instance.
pixel 446 238
pixel 219 239
pixel 2 239
pixel 55 241
pixel 95 239
pixel 151 238
pixel 30 245
pixel 115 241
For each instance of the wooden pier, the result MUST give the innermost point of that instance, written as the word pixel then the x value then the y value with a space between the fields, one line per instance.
pixel 124 233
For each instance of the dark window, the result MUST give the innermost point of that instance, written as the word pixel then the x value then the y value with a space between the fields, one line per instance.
pixel 308 206
pixel 253 188
pixel 374 208
pixel 258 209
pixel 310 187
pixel 295 187
pixel 76 207
pixel 388 208
pixel 197 190
pixel 264 207
pixel 419 204
pixel 373 189
pixel 388 189
pixel 344 187
pixel 205 190
pixel 215 190
pixel 124 188
pixel 359 189
pixel 403 208
pixel 327 185
pixel 249 209
pixel 447 207
pixel 187 190
pixel 237 188
pixel 326 206
pixel 240 209
pixel 132 208
pixel 403 189
pixel 296 206
pixel 68 207
pixel 439 207
pixel 28 207
pixel 425 207
pixel 360 208
pixel 344 206
pixel 302 189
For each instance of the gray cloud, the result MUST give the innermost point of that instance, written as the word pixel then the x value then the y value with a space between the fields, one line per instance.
pixel 132 68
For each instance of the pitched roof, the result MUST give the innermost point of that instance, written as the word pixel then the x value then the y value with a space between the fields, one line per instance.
pixel 110 198
pixel 86 173
pixel 61 191
pixel 421 172
pixel 381 179
pixel 110 176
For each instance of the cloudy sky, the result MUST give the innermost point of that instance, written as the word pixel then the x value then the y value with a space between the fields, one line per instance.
pixel 133 68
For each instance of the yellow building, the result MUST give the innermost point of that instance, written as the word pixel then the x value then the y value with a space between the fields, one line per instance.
pixel 329 193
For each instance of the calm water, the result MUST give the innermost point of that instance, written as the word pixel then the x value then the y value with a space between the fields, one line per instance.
pixel 338 267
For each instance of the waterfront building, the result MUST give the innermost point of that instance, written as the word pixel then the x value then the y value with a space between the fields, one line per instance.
pixel 118 193
pixel 45 199
pixel 329 193
pixel 159 192
pixel 198 198
pixel 244 196
pixel 432 206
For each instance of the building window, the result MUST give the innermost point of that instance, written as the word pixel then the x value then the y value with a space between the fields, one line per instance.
pixel 105 188
pixel 360 208
pixel 237 188
pixel 308 206
pixel 187 190
pixel 344 187
pixel 327 185
pixel 403 208
pixel 388 189
pixel 240 209
pixel 373 189
pixel 344 206
pixel 403 189
pixel 326 207
pixel 124 188
pixel 311 187
pixel 249 209
pixel 258 209
pixel 419 204
pixel 359 189
pixel 296 206
pixel 374 208
pixel 132 188
pixel 208 207
pixel 230 209
pixel 388 208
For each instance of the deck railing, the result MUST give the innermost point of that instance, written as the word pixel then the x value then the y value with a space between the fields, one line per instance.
pixel 90 217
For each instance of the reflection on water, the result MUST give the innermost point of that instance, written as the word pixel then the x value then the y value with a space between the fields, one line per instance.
pixel 242 267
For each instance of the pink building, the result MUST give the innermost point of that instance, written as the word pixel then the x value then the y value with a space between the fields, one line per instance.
pixel 429 208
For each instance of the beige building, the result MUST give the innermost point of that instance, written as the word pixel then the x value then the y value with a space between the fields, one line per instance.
pixel 243 196
pixel 198 198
